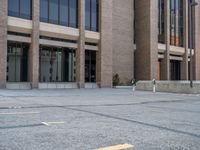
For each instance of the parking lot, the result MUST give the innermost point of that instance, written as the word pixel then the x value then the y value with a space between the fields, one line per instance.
pixel 90 119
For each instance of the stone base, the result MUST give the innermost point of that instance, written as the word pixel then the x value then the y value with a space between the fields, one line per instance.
pixel 57 85
pixel 18 86
pixel 170 86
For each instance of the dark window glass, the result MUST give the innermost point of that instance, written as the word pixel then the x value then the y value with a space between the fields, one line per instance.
pixel 57 64
pixel 20 8
pixel 17 62
pixel 90 66
pixel 13 8
pixel 73 13
pixel 61 12
pixel 91 16
pixel 176 22
pixel 94 14
pixel 44 10
pixel 161 30
pixel 64 12
pixel 175 66
pixel 25 9
pixel 87 15
pixel 53 13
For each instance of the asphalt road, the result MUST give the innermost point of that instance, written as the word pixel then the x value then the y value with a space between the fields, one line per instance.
pixel 91 119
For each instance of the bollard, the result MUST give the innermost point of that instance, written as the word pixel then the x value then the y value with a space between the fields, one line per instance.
pixel 134 85
pixel 154 85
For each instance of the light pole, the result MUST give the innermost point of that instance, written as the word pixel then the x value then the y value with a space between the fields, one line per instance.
pixel 192 3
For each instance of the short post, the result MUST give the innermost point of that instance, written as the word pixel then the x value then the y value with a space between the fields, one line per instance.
pixel 134 84
pixel 154 85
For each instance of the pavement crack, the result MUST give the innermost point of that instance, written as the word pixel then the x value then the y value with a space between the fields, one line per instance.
pixel 137 122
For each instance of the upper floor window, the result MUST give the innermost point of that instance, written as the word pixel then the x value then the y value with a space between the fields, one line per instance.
pixel 176 22
pixel 20 8
pixel 62 12
pixel 161 23
pixel 91 15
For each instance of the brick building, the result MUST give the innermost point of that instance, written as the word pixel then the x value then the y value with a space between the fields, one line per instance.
pixel 83 43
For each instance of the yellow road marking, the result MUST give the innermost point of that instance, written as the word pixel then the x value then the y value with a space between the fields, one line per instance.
pixel 49 123
pixel 117 147
pixel 19 113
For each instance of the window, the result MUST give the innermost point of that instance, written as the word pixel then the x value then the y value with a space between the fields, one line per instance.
pixel 61 12
pixel 87 14
pixel 20 8
pixel 44 9
pixel 175 66
pixel 90 66
pixel 176 22
pixel 17 62
pixel 53 13
pixel 57 64
pixel 91 15
pixel 73 13
pixel 161 25
pixel 64 9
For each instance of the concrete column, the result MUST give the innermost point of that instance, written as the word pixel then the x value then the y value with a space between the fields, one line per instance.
pixel 80 52
pixel 196 58
pixel 34 47
pixel 123 63
pixel 165 63
pixel 146 35
pixel 3 42
pixel 184 63
pixel 104 55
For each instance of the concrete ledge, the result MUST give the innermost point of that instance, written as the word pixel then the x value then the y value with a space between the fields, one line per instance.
pixel 123 87
pixel 57 85
pixel 91 86
pixel 18 86
pixel 170 86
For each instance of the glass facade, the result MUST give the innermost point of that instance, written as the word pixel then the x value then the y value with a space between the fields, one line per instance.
pixel 90 66
pixel 176 22
pixel 161 24
pixel 20 8
pixel 61 12
pixel 17 62
pixel 175 66
pixel 57 64
pixel 91 15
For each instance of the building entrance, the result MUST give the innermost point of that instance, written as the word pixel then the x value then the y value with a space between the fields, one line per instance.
pixel 57 64
pixel 17 62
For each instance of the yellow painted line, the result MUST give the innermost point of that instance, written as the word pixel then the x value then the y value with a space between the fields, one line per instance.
pixel 19 113
pixel 49 123
pixel 117 147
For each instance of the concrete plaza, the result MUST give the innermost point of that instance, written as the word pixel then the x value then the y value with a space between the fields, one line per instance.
pixel 90 119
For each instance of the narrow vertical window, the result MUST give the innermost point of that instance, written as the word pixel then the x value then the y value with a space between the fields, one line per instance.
pixel 87 15
pixel 25 9
pixel 94 15
pixel 53 13
pixel 91 15
pixel 64 12
pixel 44 10
pixel 73 13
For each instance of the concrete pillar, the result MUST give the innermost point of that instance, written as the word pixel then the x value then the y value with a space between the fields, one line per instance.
pixel 146 35
pixel 80 52
pixel 165 63
pixel 196 59
pixel 34 47
pixel 184 63
pixel 3 42
pixel 123 63
pixel 104 55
